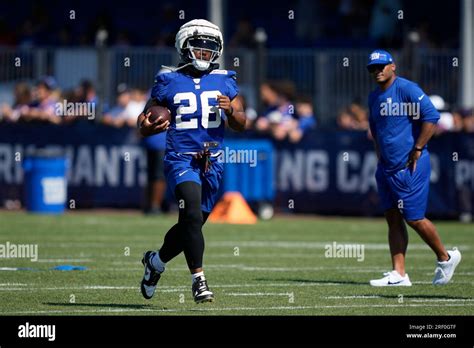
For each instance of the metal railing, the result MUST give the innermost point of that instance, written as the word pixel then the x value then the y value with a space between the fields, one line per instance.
pixel 333 78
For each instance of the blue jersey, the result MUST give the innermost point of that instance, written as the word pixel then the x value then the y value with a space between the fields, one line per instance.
pixel 193 105
pixel 396 116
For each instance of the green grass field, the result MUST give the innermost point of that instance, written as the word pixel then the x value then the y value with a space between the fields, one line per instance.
pixel 271 268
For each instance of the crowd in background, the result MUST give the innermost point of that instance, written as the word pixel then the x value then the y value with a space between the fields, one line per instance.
pixel 286 114
pixel 355 116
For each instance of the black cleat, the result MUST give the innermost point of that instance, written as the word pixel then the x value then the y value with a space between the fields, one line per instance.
pixel 151 276
pixel 201 291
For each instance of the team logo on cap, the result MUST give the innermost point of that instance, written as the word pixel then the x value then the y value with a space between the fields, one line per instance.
pixel 374 56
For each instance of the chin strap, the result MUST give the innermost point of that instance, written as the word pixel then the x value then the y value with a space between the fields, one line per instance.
pixel 212 66
pixel 173 68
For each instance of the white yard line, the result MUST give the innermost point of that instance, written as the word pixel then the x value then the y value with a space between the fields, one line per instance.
pixel 443 300
pixel 406 298
pixel 100 243
pixel 242 267
pixel 314 245
pixel 286 294
pixel 210 309
pixel 64 260
pixel 31 287
pixel 13 284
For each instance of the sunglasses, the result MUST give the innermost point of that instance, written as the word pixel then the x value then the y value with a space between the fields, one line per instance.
pixel 376 67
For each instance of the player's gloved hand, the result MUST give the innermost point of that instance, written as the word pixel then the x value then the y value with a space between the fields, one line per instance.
pixel 148 128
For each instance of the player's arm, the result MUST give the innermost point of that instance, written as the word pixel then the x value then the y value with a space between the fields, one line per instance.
pixel 428 129
pixel 147 128
pixel 234 111
pixel 429 117
pixel 372 133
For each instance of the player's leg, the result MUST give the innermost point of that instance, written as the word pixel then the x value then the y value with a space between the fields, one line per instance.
pixel 188 195
pixel 448 260
pixel 210 180
pixel 430 236
pixel 173 243
pixel 397 235
pixel 415 203
pixel 155 261
pixel 397 239
pixel 191 218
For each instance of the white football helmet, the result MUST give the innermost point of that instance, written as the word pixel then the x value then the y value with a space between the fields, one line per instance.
pixel 199 35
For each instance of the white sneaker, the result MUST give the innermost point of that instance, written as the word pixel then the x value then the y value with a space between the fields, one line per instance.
pixel 392 278
pixel 445 269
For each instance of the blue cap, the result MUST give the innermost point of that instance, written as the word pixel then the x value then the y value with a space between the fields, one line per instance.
pixel 380 57
pixel 47 81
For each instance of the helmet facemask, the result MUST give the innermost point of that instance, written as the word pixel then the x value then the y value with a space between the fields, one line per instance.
pixel 202 51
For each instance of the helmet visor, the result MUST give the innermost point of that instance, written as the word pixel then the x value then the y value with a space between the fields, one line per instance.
pixel 205 43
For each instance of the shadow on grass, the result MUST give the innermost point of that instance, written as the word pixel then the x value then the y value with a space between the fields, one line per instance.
pixel 97 305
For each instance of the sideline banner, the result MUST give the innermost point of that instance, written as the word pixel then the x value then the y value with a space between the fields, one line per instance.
pixel 328 172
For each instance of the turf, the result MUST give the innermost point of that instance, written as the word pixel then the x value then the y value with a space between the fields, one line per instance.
pixel 277 267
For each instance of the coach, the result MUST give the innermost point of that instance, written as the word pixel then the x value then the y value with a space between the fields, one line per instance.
pixel 402 121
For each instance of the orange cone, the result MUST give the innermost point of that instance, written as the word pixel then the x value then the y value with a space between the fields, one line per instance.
pixel 232 209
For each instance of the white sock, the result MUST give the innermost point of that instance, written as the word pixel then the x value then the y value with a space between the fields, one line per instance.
pixel 194 276
pixel 157 263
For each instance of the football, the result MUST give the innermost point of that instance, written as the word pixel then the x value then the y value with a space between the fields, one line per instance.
pixel 157 111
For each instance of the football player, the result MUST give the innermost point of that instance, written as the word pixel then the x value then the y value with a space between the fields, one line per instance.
pixel 201 98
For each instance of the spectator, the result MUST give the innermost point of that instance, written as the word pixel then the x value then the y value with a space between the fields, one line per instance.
pixel 353 117
pixel 458 121
pixel 138 99
pixel 43 107
pixel 120 116
pixel 345 120
pixel 468 120
pixel 86 92
pixel 23 98
pixel 70 96
pixel 360 116
pixel 446 120
pixel 279 117
pixel 306 119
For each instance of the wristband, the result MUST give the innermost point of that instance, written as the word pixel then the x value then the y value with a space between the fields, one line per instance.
pixel 418 149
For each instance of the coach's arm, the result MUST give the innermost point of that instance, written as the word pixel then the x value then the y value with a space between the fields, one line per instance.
pixel 427 131
pixel 371 136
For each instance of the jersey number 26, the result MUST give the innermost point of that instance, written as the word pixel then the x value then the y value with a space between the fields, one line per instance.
pixel 206 110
